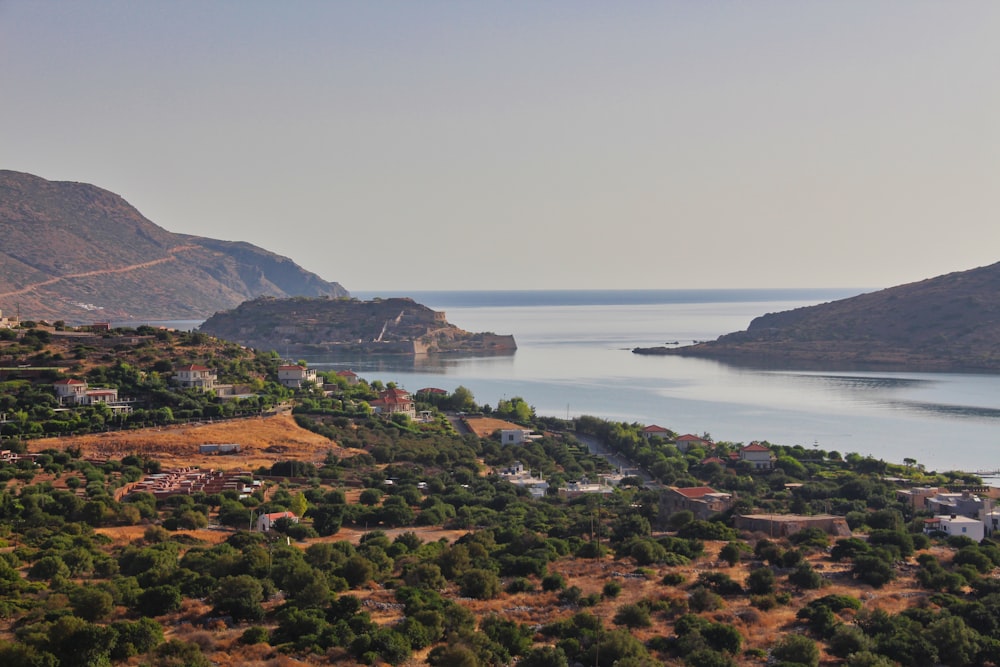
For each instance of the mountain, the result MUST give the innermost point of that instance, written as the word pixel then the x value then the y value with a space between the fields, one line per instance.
pixel 948 323
pixel 78 253
pixel 329 326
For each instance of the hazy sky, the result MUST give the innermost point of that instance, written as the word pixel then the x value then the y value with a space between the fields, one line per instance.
pixel 521 145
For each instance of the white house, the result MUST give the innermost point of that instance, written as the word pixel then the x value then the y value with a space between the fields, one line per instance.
pixel 758 456
pixel 654 431
pixel 196 376
pixel 687 441
pixel 952 524
pixel 516 436
pixel 294 376
pixel 77 392
pixel 266 521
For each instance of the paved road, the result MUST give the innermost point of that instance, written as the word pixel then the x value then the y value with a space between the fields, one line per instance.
pixel 627 466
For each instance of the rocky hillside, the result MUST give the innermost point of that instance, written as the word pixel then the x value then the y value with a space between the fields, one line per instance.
pixel 76 252
pixel 317 326
pixel 951 322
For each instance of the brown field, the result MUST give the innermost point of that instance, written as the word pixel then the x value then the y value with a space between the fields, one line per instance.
pixel 484 427
pixel 263 441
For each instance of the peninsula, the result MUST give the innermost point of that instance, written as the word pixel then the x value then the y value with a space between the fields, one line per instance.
pixel 948 323
pixel 305 326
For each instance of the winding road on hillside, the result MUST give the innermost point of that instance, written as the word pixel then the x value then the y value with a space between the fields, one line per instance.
pixel 171 256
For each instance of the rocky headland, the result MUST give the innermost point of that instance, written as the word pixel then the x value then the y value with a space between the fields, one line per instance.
pixel 948 323
pixel 304 326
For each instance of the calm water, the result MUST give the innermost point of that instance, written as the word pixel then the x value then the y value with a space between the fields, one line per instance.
pixel 574 357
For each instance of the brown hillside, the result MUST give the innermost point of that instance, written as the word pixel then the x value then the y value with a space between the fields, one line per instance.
pixel 951 322
pixel 76 252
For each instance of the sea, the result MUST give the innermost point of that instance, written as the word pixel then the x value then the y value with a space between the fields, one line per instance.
pixel 574 357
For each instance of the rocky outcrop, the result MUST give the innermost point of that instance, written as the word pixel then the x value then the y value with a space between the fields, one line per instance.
pixel 303 326
pixel 948 323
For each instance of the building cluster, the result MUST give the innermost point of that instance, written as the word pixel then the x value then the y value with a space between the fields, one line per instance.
pixel 955 512
pixel 755 455
pixel 189 480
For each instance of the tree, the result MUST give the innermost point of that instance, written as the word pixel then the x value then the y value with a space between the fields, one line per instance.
pixel 761 581
pixel 239 597
pixel 797 649
pixel 632 616
pixel 480 584
pixel 91 603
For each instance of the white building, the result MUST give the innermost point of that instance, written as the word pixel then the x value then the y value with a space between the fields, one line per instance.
pixel 196 377
pixel 516 436
pixel 266 521
pixel 295 376
pixel 952 524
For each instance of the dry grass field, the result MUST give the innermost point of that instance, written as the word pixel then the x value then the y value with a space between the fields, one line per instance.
pixel 263 440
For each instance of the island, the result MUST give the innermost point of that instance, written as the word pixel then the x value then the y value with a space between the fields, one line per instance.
pixel 303 326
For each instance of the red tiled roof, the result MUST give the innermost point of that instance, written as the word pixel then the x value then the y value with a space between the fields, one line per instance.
pixel 347 374
pixel 755 447
pixel 280 515
pixel 695 491
pixel 194 367
pixel 431 390
pixel 69 381
pixel 653 428
pixel 712 459
pixel 690 438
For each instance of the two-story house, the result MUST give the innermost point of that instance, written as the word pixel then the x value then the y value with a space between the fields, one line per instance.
pixel 295 376
pixel 195 376
pixel 78 393
pixel 394 401
pixel 758 456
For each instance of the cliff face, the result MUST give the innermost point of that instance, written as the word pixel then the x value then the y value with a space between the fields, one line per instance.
pixel 316 326
pixel 951 322
pixel 79 253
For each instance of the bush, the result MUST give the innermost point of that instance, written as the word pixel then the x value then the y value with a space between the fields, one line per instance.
pixel 255 635
pixel 553 582
pixel 796 649
pixel 632 616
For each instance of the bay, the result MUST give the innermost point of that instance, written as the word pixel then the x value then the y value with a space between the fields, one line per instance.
pixel 574 357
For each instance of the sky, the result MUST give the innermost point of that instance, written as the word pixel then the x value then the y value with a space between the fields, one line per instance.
pixel 565 144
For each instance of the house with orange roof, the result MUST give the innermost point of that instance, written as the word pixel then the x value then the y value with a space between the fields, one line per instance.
pixel 195 376
pixel 702 501
pixel 349 375
pixel 758 456
pixel 266 521
pixel 687 441
pixel 394 401
pixel 654 431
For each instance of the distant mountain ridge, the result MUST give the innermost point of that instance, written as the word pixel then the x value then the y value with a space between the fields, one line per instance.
pixel 951 322
pixel 79 253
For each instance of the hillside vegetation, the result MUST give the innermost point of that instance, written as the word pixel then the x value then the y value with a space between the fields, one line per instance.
pixel 951 322
pixel 76 252
pixel 411 546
